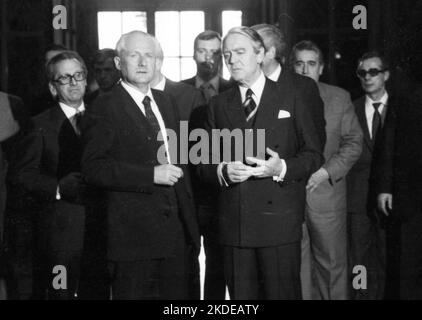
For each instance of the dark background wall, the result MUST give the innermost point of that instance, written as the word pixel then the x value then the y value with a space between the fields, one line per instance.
pixel 394 26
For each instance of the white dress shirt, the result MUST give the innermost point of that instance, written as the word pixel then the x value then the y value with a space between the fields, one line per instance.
pixel 370 110
pixel 70 113
pixel 138 97
pixel 276 74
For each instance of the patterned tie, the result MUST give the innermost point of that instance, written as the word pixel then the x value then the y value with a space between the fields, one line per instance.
pixel 150 115
pixel 77 121
pixel 249 104
pixel 376 121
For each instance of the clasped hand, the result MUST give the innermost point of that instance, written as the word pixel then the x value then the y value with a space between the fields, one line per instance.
pixel 167 174
pixel 239 172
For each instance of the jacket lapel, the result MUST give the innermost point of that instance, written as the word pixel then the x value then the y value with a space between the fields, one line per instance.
pixel 360 112
pixel 266 114
pixel 234 110
pixel 132 109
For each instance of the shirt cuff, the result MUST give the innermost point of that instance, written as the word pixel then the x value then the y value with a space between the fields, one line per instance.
pixel 220 175
pixel 280 177
pixel 58 196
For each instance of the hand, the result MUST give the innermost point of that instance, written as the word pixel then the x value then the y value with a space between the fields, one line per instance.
pixel 316 179
pixel 70 186
pixel 238 172
pixel 267 168
pixel 167 174
pixel 385 203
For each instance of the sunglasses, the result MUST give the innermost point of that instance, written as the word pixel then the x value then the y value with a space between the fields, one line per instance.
pixel 361 73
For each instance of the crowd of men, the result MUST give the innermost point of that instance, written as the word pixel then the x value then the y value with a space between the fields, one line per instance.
pixel 293 223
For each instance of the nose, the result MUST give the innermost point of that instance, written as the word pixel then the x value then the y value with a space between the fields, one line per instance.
pixel 208 56
pixel 141 61
pixel 305 69
pixel 72 81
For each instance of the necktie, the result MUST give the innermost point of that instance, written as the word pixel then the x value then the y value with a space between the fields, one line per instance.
pixel 376 121
pixel 208 91
pixel 249 103
pixel 150 115
pixel 77 121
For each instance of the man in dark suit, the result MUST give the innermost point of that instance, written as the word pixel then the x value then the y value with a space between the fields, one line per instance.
pixel 274 67
pixel 324 272
pixel 399 188
pixel 208 58
pixel 261 208
pixel 50 170
pixel 207 55
pixel 8 127
pixel 366 237
pixel 150 210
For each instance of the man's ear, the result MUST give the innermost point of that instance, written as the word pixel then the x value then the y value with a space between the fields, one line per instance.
pixel 386 75
pixel 52 89
pixel 261 55
pixel 321 69
pixel 271 53
pixel 117 63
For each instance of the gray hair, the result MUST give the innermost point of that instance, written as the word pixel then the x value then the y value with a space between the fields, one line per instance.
pixel 65 55
pixel 251 34
pixel 273 37
pixel 121 44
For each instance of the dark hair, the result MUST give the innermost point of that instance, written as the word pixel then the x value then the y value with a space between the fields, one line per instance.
pixel 206 35
pixel 249 33
pixel 306 45
pixel 385 64
pixel 103 55
pixel 65 55
pixel 273 37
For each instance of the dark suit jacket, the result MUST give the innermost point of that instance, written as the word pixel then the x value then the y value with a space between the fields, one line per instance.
pixel 186 98
pixel 262 212
pixel 119 156
pixel 52 150
pixel 398 169
pixel 360 188
pixel 223 84
pixel 307 90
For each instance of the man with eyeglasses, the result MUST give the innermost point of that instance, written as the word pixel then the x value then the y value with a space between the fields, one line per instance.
pixel 49 169
pixel 365 228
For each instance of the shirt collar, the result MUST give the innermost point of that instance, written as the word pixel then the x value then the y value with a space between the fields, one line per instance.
pixel 275 74
pixel 383 100
pixel 161 85
pixel 214 82
pixel 70 111
pixel 136 95
pixel 257 88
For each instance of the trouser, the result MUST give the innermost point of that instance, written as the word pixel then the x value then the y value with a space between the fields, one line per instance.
pixel 367 258
pixel 324 255
pixel 271 273
pixel 153 279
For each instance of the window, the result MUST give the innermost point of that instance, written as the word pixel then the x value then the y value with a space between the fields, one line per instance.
pixel 229 20
pixel 176 32
pixel 112 24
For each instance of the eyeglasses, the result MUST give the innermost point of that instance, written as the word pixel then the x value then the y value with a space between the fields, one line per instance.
pixel 361 73
pixel 78 76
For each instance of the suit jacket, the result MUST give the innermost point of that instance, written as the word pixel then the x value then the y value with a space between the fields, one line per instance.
pixel 398 163
pixel 223 84
pixel 342 148
pixel 262 212
pixel 52 150
pixel 307 90
pixel 185 98
pixel 361 197
pixel 120 155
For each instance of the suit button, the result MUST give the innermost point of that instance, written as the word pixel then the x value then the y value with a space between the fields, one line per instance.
pixel 149 138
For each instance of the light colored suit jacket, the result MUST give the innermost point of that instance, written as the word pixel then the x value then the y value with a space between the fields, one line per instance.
pixel 342 149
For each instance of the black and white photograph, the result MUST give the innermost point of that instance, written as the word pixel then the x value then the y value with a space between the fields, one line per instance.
pixel 211 155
